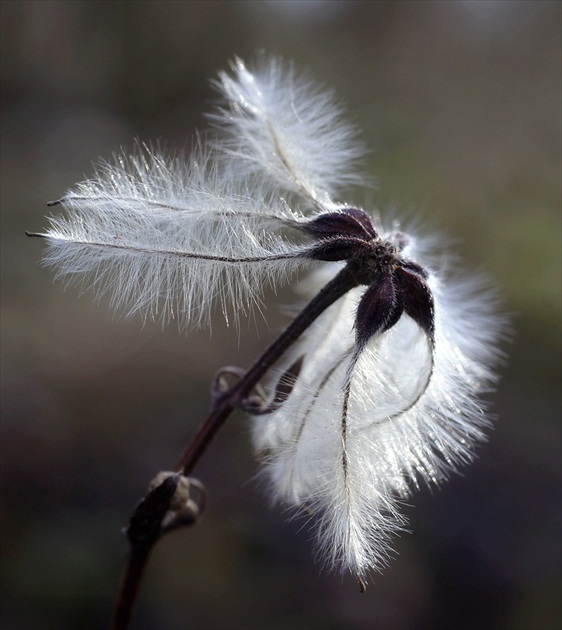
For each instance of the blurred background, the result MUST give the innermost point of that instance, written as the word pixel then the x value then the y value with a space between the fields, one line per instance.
pixel 460 102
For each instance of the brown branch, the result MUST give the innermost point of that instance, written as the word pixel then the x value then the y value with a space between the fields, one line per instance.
pixel 143 531
pixel 176 501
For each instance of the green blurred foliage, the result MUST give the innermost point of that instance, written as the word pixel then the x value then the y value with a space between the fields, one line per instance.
pixel 461 103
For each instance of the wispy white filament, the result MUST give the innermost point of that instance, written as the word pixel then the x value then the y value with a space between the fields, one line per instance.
pixel 166 238
pixel 288 129
pixel 368 420
pixel 354 479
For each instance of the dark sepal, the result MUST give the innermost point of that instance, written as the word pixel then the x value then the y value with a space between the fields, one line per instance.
pixel 417 299
pixel 379 309
pixel 345 222
pixel 339 248
pixel 408 265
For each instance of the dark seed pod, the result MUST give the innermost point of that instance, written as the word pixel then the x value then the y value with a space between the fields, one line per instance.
pixel 417 299
pixel 379 309
pixel 347 222
pixel 340 248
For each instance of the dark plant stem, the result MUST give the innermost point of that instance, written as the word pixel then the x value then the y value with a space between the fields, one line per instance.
pixel 130 584
pixel 224 404
pixel 231 399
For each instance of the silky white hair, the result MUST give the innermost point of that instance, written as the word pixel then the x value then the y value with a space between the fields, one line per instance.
pixel 391 446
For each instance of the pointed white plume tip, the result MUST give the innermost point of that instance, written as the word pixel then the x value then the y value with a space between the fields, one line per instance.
pixel 288 130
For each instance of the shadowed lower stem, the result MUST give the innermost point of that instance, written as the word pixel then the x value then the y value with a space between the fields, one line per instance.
pixel 146 527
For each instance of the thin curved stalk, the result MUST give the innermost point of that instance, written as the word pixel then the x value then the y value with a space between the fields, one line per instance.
pixel 145 528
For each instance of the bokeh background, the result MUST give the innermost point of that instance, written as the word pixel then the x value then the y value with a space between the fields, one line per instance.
pixel 461 103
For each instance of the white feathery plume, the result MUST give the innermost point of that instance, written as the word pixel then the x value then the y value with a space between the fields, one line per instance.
pixel 289 129
pixel 386 394
pixel 165 238
pixel 412 416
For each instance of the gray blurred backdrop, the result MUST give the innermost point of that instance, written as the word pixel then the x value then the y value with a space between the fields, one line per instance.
pixel 461 103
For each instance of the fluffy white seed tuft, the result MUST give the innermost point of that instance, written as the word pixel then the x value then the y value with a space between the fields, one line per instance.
pixel 367 421
pixel 352 469
pixel 287 129
pixel 166 239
